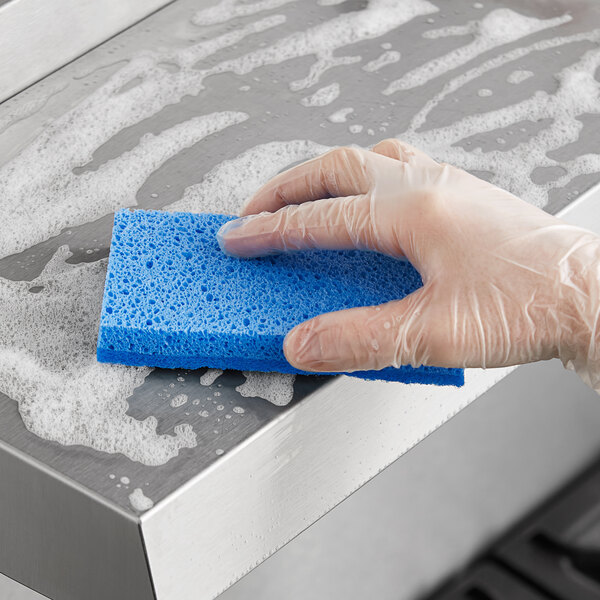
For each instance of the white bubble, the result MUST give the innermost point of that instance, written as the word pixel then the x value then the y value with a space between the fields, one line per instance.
pixel 139 501
pixel 277 388
pixel 179 400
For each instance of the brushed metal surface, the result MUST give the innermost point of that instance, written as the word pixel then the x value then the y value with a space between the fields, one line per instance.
pixel 37 37
pixel 235 514
pixel 216 517
pixel 65 541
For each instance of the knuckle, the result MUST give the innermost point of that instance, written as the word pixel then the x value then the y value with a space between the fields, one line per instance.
pixel 393 147
pixel 345 156
pixel 345 169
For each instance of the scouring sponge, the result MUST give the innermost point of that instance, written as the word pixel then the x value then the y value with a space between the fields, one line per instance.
pixel 173 299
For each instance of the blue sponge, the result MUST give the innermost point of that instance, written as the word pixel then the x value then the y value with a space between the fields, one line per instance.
pixel 173 299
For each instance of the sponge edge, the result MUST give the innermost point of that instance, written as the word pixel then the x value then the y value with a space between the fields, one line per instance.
pixel 172 299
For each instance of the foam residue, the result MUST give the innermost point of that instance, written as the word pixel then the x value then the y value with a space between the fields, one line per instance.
pixel 323 96
pixel 19 109
pixel 178 400
pixel 231 9
pixel 499 27
pixel 58 197
pixel 340 116
pixel 226 187
pixel 48 365
pixel 577 94
pixel 376 19
pixel 139 501
pixel 210 376
pixel 518 76
pixel 277 388
pixel 388 57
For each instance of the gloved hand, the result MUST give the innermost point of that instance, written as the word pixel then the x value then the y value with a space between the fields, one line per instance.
pixel 504 282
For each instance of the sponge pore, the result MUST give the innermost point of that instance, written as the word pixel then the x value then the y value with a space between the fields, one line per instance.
pixel 173 299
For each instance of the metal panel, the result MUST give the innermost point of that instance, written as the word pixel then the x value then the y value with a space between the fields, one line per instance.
pixel 65 541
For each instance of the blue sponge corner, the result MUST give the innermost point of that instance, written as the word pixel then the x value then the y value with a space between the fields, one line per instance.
pixel 173 299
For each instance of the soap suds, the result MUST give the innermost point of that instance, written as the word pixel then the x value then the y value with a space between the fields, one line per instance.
pixel 323 96
pixel 226 187
pixel 577 94
pixel 226 10
pixel 59 198
pixel 178 400
pixel 340 116
pixel 499 27
pixel 277 388
pixel 355 128
pixel 48 366
pixel 139 501
pixel 387 58
pixel 376 19
pixel 210 376
pixel 519 76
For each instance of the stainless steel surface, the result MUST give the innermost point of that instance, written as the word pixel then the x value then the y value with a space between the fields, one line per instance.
pixel 12 590
pixel 37 37
pixel 62 539
pixel 444 502
pixel 215 517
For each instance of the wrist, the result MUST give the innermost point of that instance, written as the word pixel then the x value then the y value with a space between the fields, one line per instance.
pixel 579 308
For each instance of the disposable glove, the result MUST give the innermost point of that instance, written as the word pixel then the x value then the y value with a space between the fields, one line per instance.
pixel 504 283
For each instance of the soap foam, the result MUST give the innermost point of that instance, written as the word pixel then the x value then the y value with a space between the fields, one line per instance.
pixel 577 94
pixel 386 58
pixel 58 197
pixel 47 350
pixel 323 96
pixel 139 501
pixel 519 76
pixel 376 19
pixel 232 9
pixel 210 376
pixel 340 116
pixel 48 366
pixel 499 27
pixel 178 400
pixel 228 185
pixel 277 388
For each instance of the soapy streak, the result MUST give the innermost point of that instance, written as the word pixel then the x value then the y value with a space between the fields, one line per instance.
pixel 499 27
pixel 72 139
pixel 231 9
pixel 48 366
pixel 576 95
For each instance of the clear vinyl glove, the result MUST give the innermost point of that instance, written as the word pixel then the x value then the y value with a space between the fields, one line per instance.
pixel 504 282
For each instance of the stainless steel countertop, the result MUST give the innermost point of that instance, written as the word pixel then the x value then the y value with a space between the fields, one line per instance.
pixel 287 449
